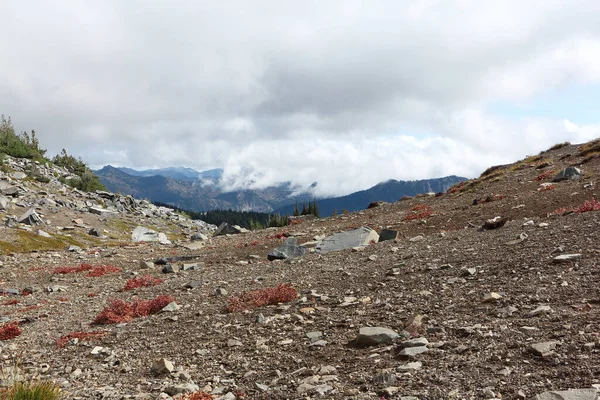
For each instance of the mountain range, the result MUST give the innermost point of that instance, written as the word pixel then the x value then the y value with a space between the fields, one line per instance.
pixel 200 191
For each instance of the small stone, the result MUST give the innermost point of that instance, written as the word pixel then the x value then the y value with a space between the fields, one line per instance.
pixel 540 311
pixel 371 336
pixel 491 297
pixel 172 306
pixel 386 379
pixel 262 387
pixel 412 351
pixel 169 269
pixel 146 264
pixel 571 394
pixel 565 258
pixel 234 343
pixel 162 366
pixel 220 292
pixel 412 366
pixel 416 239
pixel 543 348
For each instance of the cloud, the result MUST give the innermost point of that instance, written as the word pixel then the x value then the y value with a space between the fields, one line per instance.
pixel 344 93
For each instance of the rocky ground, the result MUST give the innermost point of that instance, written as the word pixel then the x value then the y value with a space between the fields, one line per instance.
pixel 455 311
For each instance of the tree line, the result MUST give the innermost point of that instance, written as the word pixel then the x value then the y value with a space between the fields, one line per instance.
pixel 27 145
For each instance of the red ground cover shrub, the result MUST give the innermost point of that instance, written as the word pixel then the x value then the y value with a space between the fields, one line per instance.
pixel 9 331
pixel 279 235
pixel 196 396
pixel 92 271
pixel 141 281
pixel 82 336
pixel 419 211
pixel 10 302
pixel 587 206
pixel 545 175
pixel 119 311
pixel 283 293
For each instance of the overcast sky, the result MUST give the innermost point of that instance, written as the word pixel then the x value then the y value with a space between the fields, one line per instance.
pixel 346 93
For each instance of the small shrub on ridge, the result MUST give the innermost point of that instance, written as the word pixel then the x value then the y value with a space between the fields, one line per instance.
pixel 31 390
pixel 81 336
pixel 92 271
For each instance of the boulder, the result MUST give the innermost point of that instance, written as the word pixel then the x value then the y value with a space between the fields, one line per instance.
pixel 5 203
pixel 289 249
pixel 567 174
pixel 199 236
pixel 227 229
pixel 571 394
pixel 375 204
pixel 143 234
pixel 388 234
pixel 346 240
pixel 102 211
pixel 30 218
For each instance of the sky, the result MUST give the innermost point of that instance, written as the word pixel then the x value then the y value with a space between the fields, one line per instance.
pixel 346 93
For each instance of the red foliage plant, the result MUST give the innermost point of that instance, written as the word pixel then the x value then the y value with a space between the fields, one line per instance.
pixel 544 175
pixel 81 336
pixel 279 235
pixel 587 206
pixel 283 293
pixel 196 396
pixel 119 311
pixel 10 331
pixel 92 271
pixel 10 302
pixel 141 281
pixel 418 212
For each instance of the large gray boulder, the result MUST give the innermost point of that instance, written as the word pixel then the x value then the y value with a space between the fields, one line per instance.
pixel 227 229
pixel 567 174
pixel 5 203
pixel 571 394
pixel 30 218
pixel 359 237
pixel 143 234
pixel 289 249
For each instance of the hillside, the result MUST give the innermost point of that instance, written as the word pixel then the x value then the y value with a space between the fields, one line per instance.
pixel 454 311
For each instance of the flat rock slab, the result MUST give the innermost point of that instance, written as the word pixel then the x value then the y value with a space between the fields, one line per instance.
pixel 30 218
pixel 289 249
pixel 571 394
pixel 565 258
pixel 371 336
pixel 346 240
pixel 143 234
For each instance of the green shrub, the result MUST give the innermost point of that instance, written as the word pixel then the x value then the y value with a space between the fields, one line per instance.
pixel 86 180
pixel 24 145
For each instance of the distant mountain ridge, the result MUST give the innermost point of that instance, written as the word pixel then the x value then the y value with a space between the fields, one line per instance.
pixel 180 173
pixel 199 191
pixel 389 191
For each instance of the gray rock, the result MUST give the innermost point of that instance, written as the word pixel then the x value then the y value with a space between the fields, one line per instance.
pixel 18 175
pixel 146 264
pixel 388 234
pixel 227 229
pixel 416 342
pixel 44 234
pixel 543 348
pixel 5 203
pixel 193 285
pixel 314 336
pixel 567 174
pixel 199 236
pixel 346 240
pixel 289 249
pixel 565 258
pixel 371 336
pixel 74 249
pixel 102 211
pixel 386 379
pixel 540 311
pixel 181 388
pixel 143 234
pixel 169 269
pixel 95 232
pixel 162 366
pixel 412 351
pixel 571 394
pixel 412 366
pixel 30 218
pixel 172 306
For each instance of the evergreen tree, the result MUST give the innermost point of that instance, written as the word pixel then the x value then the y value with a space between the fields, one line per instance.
pixel 315 208
pixel 296 210
pixel 311 210
pixel 334 213
pixel 304 209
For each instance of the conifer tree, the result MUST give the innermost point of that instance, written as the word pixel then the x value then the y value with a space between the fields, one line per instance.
pixel 296 210
pixel 315 208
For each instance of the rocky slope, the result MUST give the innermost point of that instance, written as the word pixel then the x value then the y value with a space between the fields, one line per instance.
pixel 454 311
